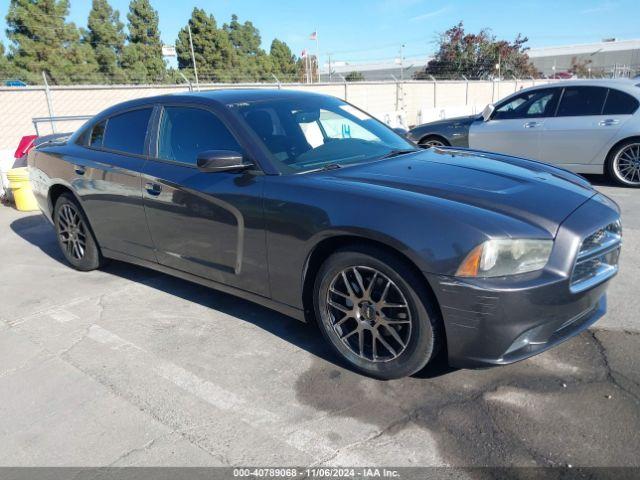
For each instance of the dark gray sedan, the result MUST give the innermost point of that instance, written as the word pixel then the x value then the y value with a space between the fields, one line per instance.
pixel 307 205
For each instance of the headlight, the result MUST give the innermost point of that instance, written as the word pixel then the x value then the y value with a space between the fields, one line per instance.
pixel 496 258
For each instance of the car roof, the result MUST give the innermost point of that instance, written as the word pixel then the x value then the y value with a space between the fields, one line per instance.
pixel 628 85
pixel 219 96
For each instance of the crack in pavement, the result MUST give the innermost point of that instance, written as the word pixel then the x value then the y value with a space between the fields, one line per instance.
pixel 609 370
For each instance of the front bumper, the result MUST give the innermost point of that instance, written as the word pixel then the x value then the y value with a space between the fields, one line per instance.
pixel 498 327
pixel 497 321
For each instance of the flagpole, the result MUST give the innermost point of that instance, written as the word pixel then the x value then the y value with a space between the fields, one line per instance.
pixel 318 55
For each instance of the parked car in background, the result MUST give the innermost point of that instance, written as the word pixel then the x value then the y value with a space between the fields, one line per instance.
pixel 308 205
pixel 586 126
pixel 14 83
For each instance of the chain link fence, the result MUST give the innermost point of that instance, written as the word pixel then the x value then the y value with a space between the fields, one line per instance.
pixel 396 103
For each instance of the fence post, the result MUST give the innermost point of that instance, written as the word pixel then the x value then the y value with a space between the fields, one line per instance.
pixel 435 91
pixel 345 86
pixel 47 93
pixel 397 92
pixel 186 80
pixel 466 91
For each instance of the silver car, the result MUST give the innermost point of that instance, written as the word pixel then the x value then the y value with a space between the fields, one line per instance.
pixel 586 126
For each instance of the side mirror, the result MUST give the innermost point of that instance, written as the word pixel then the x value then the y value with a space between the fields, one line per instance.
pixel 487 112
pixel 401 131
pixel 211 161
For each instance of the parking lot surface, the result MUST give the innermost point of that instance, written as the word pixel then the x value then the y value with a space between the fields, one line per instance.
pixel 126 366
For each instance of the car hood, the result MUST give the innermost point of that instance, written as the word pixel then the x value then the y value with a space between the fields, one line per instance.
pixel 534 192
pixel 446 121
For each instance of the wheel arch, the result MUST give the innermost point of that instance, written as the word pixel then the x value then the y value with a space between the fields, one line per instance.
pixel 618 143
pixel 435 136
pixel 608 161
pixel 54 193
pixel 328 246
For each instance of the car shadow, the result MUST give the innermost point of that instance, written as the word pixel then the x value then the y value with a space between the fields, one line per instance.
pixel 600 180
pixel 36 230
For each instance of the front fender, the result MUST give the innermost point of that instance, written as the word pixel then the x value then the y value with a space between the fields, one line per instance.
pixel 433 233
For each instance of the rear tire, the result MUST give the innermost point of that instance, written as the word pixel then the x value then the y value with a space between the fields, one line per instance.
pixel 376 313
pixel 623 164
pixel 75 236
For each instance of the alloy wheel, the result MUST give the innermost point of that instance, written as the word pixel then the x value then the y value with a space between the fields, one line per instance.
pixel 368 314
pixel 72 231
pixel 432 143
pixel 626 164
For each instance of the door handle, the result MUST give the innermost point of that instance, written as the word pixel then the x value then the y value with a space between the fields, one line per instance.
pixel 609 122
pixel 79 169
pixel 153 188
pixel 531 124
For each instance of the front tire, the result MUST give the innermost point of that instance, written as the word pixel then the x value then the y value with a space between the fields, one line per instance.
pixel 623 164
pixel 432 141
pixel 75 236
pixel 376 313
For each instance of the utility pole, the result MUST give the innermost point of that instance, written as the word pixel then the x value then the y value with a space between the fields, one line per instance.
pixel 402 62
pixel 193 57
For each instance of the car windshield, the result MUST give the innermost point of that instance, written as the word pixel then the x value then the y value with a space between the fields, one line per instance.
pixel 318 132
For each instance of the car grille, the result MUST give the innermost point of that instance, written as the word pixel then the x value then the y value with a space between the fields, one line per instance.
pixel 597 259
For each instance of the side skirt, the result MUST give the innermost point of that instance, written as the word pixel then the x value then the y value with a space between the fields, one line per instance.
pixel 288 310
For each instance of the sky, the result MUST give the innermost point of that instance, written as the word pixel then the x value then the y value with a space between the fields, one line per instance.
pixel 363 30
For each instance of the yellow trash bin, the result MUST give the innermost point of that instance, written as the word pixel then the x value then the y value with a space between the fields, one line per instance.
pixel 21 189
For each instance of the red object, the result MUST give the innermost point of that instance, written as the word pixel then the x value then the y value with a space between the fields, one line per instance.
pixel 26 144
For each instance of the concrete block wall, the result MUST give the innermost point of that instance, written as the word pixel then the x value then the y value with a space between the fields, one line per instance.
pixel 413 101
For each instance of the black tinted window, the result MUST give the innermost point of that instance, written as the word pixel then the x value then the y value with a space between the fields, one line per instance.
pixel 185 132
pixel 619 103
pixel 126 132
pixel 97 135
pixel 582 101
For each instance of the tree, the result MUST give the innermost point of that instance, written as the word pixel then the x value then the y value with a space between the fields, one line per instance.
pixel 244 37
pixel 7 71
pixel 106 37
pixel 580 68
pixel 477 56
pixel 251 62
pixel 284 62
pixel 307 66
pixel 212 48
pixel 43 41
pixel 142 57
pixel 354 77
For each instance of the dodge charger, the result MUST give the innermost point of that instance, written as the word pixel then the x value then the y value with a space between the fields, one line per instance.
pixel 307 205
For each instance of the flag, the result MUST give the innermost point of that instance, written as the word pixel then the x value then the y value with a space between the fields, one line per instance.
pixel 304 53
pixel 313 36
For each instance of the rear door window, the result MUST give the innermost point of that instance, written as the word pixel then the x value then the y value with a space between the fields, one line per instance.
pixel 185 132
pixel 582 101
pixel 127 132
pixel 619 103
